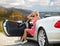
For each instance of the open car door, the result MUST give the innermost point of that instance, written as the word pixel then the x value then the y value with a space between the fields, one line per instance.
pixel 12 28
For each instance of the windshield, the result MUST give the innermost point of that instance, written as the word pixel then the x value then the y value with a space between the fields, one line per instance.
pixel 48 14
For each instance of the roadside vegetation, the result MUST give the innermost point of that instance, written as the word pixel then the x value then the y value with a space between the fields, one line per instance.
pixel 0 26
pixel 10 14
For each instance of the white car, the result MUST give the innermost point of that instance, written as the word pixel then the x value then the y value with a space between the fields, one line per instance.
pixel 47 30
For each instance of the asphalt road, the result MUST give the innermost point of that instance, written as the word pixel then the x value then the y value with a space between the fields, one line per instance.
pixel 29 43
pixel 10 41
pixel 32 43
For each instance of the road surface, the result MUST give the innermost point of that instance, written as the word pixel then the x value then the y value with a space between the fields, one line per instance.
pixel 10 41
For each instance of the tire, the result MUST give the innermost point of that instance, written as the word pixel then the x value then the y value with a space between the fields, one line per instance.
pixel 42 38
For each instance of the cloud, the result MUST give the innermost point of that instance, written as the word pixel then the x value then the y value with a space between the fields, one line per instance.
pixel 24 4
pixel 18 2
pixel 33 0
pixel 43 2
pixel 3 2
pixel 27 4
pixel 12 2
pixel 38 2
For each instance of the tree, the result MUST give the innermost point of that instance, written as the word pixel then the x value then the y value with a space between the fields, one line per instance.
pixel 16 15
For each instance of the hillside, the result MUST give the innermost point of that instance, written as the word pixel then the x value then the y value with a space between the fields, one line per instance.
pixel 24 11
pixel 4 13
pixel 13 13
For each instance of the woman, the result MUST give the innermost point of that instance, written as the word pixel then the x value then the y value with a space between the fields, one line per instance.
pixel 34 16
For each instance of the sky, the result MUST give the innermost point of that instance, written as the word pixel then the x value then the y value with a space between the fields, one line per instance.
pixel 29 4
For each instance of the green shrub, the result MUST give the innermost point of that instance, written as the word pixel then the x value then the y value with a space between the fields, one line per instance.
pixel 0 26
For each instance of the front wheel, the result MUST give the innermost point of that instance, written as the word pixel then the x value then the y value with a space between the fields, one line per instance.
pixel 42 38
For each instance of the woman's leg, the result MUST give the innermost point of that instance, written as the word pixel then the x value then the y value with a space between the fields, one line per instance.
pixel 24 37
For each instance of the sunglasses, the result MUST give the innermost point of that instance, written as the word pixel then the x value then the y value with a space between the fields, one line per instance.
pixel 32 16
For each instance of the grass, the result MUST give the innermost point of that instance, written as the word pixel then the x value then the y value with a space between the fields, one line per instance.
pixel 0 26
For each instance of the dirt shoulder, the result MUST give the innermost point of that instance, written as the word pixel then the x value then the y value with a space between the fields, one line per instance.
pixel 4 40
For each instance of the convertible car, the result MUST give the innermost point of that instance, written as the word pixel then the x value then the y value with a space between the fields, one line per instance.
pixel 47 30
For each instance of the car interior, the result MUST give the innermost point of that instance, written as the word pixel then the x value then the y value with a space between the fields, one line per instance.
pixel 15 28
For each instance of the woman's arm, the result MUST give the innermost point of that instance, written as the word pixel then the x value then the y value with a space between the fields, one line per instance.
pixel 29 17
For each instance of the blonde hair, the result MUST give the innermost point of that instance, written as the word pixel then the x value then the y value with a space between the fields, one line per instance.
pixel 37 14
